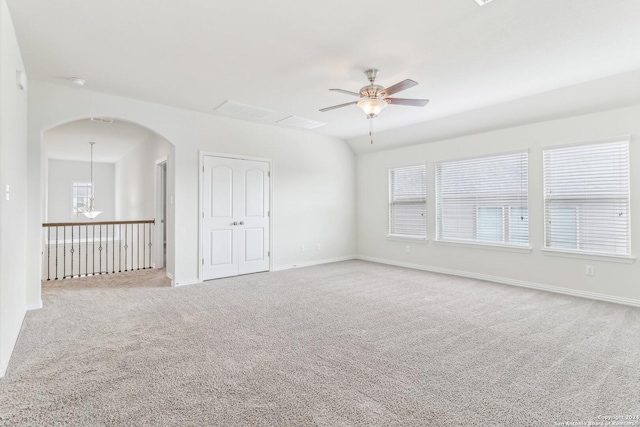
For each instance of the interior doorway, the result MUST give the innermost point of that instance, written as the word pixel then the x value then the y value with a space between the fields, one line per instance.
pixel 161 213
pixel 235 218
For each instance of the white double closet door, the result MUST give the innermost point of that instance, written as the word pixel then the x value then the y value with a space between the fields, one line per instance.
pixel 235 217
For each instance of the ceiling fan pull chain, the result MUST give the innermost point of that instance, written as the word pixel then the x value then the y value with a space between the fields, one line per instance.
pixel 371 130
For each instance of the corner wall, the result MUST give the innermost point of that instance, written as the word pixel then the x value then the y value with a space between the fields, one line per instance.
pixel 135 179
pixel 13 172
pixel 612 281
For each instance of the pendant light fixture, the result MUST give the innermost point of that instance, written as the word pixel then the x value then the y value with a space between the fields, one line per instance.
pixel 89 211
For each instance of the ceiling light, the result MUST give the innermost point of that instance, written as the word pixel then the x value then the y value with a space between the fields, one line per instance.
pixel 372 107
pixel 77 81
pixel 482 2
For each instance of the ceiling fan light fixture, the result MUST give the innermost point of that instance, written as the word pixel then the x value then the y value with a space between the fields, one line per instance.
pixel 372 107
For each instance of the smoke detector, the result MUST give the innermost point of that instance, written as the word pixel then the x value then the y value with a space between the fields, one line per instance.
pixel 78 81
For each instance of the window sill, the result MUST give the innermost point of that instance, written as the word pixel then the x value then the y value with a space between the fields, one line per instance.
pixel 422 240
pixel 504 248
pixel 584 255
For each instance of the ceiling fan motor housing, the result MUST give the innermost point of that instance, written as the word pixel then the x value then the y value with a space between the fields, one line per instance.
pixel 373 91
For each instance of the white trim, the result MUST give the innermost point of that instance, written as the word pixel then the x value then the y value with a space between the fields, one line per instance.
pixel 185 282
pixel 4 364
pixel 310 263
pixel 408 239
pixel 623 259
pixel 201 156
pixel 35 306
pixel 507 281
pixel 480 245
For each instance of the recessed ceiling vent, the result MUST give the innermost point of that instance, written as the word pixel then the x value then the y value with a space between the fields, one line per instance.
pixel 101 120
pixel 242 110
pixel 482 2
pixel 300 122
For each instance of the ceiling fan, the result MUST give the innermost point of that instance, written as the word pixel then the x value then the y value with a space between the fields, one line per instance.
pixel 374 98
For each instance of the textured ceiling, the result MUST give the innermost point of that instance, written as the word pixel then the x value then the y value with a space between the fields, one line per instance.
pixel 284 56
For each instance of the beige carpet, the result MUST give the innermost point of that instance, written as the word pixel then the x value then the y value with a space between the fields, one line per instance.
pixel 345 344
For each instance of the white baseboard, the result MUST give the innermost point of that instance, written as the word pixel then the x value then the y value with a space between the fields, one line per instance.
pixel 35 306
pixel 507 281
pixel 4 364
pixel 185 282
pixel 310 263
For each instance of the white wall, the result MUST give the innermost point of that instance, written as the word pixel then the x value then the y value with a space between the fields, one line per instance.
pixel 62 174
pixel 612 280
pixel 313 176
pixel 135 182
pixel 13 172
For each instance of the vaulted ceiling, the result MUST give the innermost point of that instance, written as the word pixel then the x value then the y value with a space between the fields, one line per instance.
pixel 471 61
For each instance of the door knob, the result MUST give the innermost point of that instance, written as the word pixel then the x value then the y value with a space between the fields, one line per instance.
pixel 234 223
pixel 241 222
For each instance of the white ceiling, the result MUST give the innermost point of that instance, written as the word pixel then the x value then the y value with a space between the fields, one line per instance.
pixel 284 56
pixel 113 140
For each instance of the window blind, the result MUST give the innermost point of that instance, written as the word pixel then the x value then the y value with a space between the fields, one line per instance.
pixel 408 201
pixel 586 198
pixel 483 199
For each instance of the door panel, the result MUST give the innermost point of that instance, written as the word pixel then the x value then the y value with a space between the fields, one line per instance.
pixel 254 193
pixel 221 243
pixel 254 244
pixel 235 217
pixel 221 192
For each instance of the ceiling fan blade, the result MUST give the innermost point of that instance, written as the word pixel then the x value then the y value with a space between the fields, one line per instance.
pixel 347 92
pixel 338 106
pixel 409 102
pixel 405 84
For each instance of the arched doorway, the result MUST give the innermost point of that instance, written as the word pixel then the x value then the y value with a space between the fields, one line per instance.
pixel 130 183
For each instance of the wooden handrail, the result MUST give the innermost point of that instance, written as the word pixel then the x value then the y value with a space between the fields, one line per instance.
pixel 69 224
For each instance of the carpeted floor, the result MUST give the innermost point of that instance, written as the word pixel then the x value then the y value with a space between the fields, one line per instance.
pixel 345 344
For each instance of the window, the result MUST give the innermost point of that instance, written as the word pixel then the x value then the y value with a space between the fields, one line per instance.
pixel 408 202
pixel 81 194
pixel 586 198
pixel 483 200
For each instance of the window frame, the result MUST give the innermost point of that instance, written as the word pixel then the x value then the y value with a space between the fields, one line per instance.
pixel 402 237
pixel 581 253
pixel 506 210
pixel 75 197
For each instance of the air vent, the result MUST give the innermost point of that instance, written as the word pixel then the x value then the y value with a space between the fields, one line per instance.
pixel 101 120
pixel 242 110
pixel 300 122
pixel 482 2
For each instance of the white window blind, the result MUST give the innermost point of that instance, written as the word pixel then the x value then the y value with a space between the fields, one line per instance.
pixel 81 194
pixel 483 200
pixel 408 201
pixel 586 198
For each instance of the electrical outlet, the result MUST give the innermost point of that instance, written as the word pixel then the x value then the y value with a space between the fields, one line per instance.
pixel 407 249
pixel 589 270
pixel 301 248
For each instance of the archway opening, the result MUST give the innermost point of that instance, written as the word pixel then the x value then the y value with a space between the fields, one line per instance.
pixel 122 170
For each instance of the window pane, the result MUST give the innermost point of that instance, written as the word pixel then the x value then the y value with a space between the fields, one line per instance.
pixel 490 224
